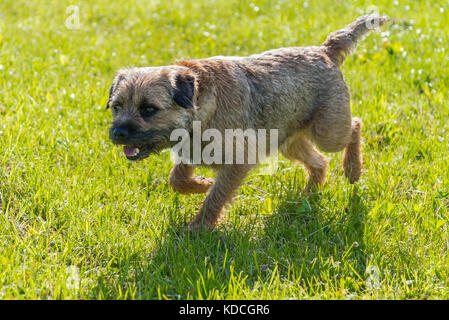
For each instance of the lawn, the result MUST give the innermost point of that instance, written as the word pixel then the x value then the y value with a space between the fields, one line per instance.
pixel 79 221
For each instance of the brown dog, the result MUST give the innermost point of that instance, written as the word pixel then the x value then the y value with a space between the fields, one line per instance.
pixel 300 92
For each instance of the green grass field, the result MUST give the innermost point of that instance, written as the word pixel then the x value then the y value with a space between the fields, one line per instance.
pixel 79 221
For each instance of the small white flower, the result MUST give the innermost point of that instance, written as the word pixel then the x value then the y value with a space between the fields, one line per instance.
pixel 73 278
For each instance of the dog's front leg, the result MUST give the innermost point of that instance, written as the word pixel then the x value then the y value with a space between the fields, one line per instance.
pixel 183 180
pixel 227 182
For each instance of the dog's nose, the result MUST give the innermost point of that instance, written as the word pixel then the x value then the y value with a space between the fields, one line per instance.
pixel 120 133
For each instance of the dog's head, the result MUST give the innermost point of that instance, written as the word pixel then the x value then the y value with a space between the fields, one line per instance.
pixel 147 105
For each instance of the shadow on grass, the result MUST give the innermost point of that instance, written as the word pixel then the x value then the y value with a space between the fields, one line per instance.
pixel 311 247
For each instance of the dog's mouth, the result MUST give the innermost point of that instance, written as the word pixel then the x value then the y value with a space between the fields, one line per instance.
pixel 137 153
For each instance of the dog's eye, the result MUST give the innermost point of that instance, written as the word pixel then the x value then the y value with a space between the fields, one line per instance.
pixel 148 110
pixel 117 107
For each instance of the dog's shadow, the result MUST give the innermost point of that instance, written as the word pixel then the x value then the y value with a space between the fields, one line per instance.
pixel 311 244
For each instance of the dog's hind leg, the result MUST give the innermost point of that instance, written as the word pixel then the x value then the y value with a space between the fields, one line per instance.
pixel 352 157
pixel 182 180
pixel 299 148
pixel 333 129
pixel 340 133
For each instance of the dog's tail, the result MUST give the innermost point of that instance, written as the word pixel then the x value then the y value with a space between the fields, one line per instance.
pixel 340 43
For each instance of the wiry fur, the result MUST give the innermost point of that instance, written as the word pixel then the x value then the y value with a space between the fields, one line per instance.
pixel 300 91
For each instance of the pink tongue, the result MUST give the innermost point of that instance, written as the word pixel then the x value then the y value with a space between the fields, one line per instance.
pixel 129 151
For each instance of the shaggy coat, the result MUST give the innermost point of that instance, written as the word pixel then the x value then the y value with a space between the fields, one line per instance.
pixel 299 91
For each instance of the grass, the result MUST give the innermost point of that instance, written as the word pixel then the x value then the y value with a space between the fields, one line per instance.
pixel 78 221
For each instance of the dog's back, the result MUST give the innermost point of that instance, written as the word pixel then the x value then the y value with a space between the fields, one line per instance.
pixel 280 88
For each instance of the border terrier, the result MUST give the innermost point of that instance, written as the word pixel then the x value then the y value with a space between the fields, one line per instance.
pixel 299 91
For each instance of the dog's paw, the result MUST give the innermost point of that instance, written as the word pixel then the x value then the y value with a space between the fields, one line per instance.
pixel 195 227
pixel 193 185
pixel 206 181
pixel 203 184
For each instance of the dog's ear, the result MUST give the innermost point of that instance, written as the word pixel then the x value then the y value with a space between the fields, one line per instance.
pixel 183 90
pixel 111 90
pixel 117 79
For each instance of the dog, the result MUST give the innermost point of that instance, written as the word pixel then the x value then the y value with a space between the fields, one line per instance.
pixel 298 91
